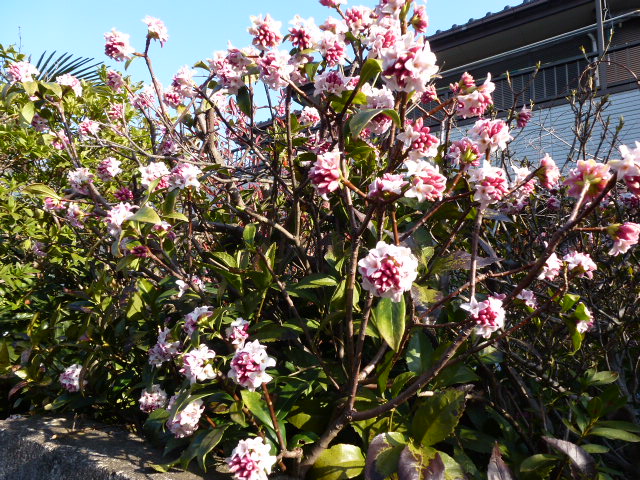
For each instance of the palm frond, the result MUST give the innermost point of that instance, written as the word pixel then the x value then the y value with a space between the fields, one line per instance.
pixel 67 63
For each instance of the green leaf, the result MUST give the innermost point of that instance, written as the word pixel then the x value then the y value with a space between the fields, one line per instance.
pixel 256 405
pixel 249 234
pixel 614 434
pixel 581 313
pixel 568 301
pixel 628 426
pixel 389 319
pixel 30 88
pixel 315 280
pixel 360 120
pixel 594 448
pixel 538 464
pixel 5 361
pixel 419 354
pixel 594 378
pixel 54 88
pixel 208 443
pixel 28 111
pixel 176 216
pixel 340 462
pixel 145 214
pixel 227 259
pixel 438 416
pixel 169 204
pixel 41 190
pixel 370 69
pixel 244 101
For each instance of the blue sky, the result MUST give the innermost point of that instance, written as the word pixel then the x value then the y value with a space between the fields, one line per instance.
pixel 196 27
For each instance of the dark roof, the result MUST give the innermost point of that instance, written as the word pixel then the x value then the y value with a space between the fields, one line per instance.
pixel 508 10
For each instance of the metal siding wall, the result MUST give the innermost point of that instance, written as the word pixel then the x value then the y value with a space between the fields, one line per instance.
pixel 551 130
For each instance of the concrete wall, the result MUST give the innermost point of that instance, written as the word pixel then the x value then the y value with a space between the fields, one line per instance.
pixel 33 448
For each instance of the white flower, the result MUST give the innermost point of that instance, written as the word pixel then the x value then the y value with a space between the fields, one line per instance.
pixel 191 319
pixel 196 366
pixel 249 364
pixel 152 399
pixel 251 460
pixel 185 422
pixel 388 271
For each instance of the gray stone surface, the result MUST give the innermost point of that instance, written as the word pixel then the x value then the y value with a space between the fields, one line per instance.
pixel 40 448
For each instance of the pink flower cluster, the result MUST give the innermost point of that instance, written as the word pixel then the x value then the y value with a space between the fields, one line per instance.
pixel 251 460
pixel 425 180
pixel 584 325
pixel 80 179
pixel 628 168
pixel 490 184
pixel 72 82
pixel 108 169
pixel 21 72
pixel 624 237
pixel 116 217
pixel 196 365
pixel 191 319
pixel 418 139
pixel 409 64
pixel 325 173
pixel 115 80
pixel 185 422
pixel 488 315
pixel 249 365
pixel 589 174
pixel 117 45
pixel 152 399
pixel 473 101
pixel 266 32
pixel 309 116
pixel 70 378
pixel 89 128
pixel 465 151
pixel 184 175
pixel 163 350
pixel 238 332
pixel 156 29
pixel 580 263
pixel 386 187
pixel 551 268
pixel 388 271
pixel 550 174
pixel 275 69
pixel 330 82
pixel 490 134
pixel 154 171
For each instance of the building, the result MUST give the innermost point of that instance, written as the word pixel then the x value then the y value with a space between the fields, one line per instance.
pixel 562 37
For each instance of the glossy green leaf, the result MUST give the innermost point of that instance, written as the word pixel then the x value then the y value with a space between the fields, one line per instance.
pixel 389 320
pixel 340 462
pixel 28 111
pixel 146 215
pixel 41 190
pixel 359 121
pixel 437 417
pixel 614 434
pixel 244 101
pixel 370 69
